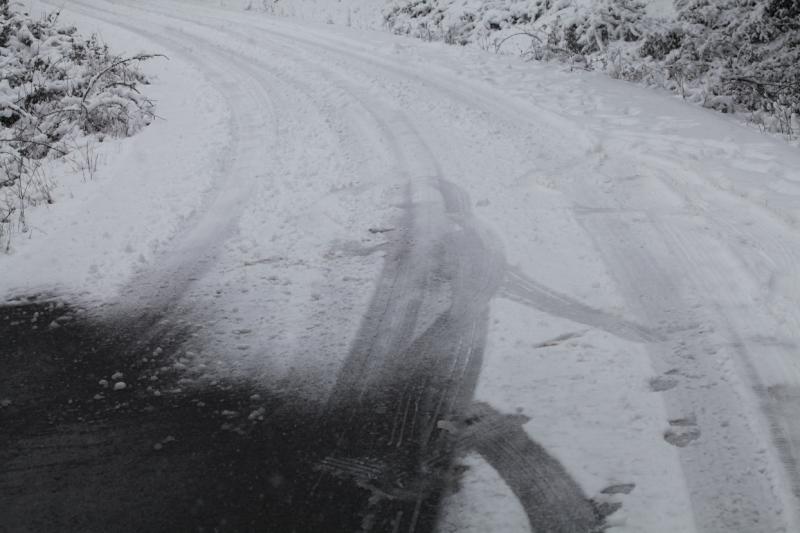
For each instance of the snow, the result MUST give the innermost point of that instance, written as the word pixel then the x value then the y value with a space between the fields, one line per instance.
pixel 102 231
pixel 664 237
pixel 661 8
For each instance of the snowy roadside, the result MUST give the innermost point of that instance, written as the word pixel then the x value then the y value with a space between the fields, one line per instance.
pixel 655 44
pixel 654 247
pixel 103 228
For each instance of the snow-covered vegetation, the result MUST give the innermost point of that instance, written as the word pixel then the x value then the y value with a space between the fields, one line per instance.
pixel 59 93
pixel 730 55
pixel 354 13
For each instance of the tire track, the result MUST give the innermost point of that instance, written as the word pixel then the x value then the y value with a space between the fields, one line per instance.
pixel 376 458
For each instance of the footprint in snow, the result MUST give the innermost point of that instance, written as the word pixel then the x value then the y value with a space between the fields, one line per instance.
pixel 663 383
pixel 682 431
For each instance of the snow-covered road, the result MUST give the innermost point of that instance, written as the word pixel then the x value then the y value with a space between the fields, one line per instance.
pixel 408 239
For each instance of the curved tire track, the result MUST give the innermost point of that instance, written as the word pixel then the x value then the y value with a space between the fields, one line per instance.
pixel 376 457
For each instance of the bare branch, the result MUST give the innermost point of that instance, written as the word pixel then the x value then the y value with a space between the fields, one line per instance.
pixel 533 36
pixel 140 57
pixel 37 143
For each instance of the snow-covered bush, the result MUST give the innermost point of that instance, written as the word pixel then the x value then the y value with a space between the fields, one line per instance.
pixel 356 13
pixel 609 21
pixel 659 45
pixel 743 55
pixel 456 21
pixel 56 87
pixel 730 55
pixel 572 26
